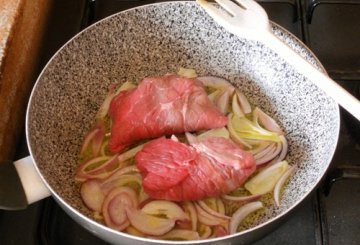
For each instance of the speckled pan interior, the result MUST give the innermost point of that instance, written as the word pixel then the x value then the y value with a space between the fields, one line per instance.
pixel 158 39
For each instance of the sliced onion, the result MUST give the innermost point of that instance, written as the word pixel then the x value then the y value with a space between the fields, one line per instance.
pixel 266 121
pixel 265 180
pixel 241 198
pixel 241 213
pixel 209 219
pixel 210 202
pixel 92 195
pixel 216 132
pixel 220 205
pixel 143 203
pixel 103 148
pixel 270 148
pixel 284 149
pixel 190 138
pixel 283 153
pixel 275 150
pixel 106 164
pixel 98 216
pixel 207 231
pixel 220 231
pixel 97 141
pixel 162 207
pixel 104 170
pixel 234 136
pixel 122 171
pixel 149 224
pixel 122 180
pixel 248 129
pixel 180 234
pixel 214 95
pixel 261 146
pixel 94 136
pixel 130 153
pixel 174 138
pixel 244 103
pixel 253 142
pixel 280 183
pixel 206 218
pixel 114 207
pixel 143 196
pixel 189 206
pixel 206 208
pixel 133 231
pixel 223 98
pixel 104 108
pixel 214 82
pixel 236 106
pixel 186 72
pixel 184 224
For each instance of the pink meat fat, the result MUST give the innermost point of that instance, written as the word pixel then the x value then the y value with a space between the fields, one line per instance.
pixel 175 171
pixel 161 106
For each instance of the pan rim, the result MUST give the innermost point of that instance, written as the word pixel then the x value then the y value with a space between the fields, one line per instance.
pixel 84 218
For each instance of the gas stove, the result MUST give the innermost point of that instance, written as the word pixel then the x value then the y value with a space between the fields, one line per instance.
pixel 330 215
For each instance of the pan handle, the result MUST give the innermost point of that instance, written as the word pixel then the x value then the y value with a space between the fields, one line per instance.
pixel 20 184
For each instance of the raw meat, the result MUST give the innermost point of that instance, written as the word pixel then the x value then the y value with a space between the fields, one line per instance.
pixel 175 171
pixel 159 106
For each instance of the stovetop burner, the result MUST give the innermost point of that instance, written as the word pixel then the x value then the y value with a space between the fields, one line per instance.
pixel 328 216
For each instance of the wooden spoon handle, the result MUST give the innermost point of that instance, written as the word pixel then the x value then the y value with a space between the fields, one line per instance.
pixel 320 79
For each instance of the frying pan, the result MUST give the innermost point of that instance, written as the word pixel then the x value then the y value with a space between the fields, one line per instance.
pixel 154 40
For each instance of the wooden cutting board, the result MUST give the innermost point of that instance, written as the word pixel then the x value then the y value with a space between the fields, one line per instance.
pixel 22 23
